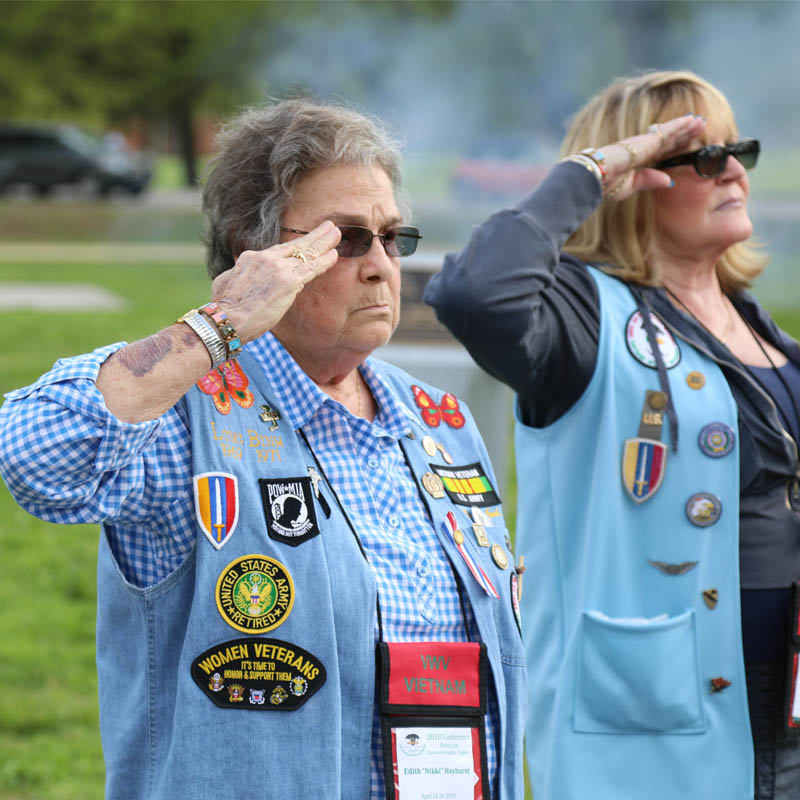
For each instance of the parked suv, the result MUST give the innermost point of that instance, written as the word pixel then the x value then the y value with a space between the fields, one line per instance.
pixel 44 156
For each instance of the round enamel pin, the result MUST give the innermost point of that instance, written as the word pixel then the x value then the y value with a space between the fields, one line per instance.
pixel 255 594
pixel 703 509
pixel 658 400
pixel 695 380
pixel 716 439
pixel 499 556
pixel 429 446
pixel 636 339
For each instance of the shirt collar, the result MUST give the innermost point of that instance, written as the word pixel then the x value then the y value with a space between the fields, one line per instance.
pixel 299 398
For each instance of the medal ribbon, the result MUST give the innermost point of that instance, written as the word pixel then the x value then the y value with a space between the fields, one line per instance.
pixel 450 527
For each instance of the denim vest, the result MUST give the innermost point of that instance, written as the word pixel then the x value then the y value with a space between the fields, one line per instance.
pixel 165 736
pixel 619 707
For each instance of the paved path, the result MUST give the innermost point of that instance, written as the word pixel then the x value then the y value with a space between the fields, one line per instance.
pixel 33 252
pixel 58 297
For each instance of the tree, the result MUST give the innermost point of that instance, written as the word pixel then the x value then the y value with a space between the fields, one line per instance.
pixel 102 62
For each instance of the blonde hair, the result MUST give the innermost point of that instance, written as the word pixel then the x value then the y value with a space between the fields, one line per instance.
pixel 621 235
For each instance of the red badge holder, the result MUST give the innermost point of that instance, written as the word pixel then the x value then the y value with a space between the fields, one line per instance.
pixel 792 705
pixel 433 707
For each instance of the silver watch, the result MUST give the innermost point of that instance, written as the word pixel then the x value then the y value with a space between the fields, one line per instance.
pixel 208 335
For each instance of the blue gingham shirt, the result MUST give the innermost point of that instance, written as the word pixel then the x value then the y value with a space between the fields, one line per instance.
pixel 71 461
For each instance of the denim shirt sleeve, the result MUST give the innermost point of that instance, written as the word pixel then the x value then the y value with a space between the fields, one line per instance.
pixel 67 459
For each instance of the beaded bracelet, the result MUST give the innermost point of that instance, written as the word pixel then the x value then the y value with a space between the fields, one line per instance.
pixel 233 344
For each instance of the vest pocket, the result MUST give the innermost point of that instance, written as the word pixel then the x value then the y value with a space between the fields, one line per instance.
pixel 638 678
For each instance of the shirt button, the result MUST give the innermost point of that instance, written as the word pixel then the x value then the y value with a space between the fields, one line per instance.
pixel 372 462
pixel 394 521
pixel 422 571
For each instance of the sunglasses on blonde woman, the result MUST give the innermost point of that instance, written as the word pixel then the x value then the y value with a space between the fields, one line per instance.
pixel 710 161
pixel 355 241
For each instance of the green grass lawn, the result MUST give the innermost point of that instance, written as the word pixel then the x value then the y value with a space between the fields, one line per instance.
pixel 48 707
pixel 49 739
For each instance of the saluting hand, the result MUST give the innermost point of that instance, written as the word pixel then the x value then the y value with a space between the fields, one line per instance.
pixel 263 284
pixel 626 161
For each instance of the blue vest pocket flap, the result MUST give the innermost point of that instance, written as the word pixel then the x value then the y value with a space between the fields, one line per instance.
pixel 638 677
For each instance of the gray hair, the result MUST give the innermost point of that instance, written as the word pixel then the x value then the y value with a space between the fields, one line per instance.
pixel 262 154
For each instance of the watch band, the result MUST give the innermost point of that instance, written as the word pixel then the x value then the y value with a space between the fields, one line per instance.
pixel 208 335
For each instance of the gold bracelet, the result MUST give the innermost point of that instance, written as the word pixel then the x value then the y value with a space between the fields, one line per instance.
pixel 598 158
pixel 618 185
pixel 587 163
pixel 634 156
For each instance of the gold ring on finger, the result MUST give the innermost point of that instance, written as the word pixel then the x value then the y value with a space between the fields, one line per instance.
pixel 654 128
pixel 298 253
pixel 632 153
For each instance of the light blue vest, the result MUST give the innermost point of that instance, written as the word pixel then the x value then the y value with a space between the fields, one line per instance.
pixel 620 710
pixel 163 738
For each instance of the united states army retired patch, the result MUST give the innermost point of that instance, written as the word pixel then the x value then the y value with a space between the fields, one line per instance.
pixel 289 509
pixel 258 674
pixel 255 593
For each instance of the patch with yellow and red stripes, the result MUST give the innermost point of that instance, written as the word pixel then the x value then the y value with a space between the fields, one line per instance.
pixel 467 485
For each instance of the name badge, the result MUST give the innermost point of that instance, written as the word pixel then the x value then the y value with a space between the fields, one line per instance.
pixel 433 706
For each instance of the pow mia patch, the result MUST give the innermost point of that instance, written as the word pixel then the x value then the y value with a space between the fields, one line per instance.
pixel 255 594
pixel 467 485
pixel 289 509
pixel 258 674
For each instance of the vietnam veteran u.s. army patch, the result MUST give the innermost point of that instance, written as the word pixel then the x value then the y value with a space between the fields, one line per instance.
pixel 258 674
pixel 255 593
pixel 289 509
pixel 467 485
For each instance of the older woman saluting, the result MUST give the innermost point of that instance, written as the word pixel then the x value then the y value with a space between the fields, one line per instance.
pixel 277 506
pixel 656 449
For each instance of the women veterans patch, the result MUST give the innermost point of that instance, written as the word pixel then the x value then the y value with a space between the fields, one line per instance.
pixel 289 509
pixel 258 674
pixel 255 594
pixel 639 346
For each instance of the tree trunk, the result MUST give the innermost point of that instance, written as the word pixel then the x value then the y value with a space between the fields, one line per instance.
pixel 183 118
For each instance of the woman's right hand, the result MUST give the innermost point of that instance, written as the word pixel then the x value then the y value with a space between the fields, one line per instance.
pixel 263 284
pixel 626 161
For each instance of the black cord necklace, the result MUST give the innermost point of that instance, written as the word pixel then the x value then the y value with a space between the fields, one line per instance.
pixel 777 371
pixel 721 339
pixel 753 376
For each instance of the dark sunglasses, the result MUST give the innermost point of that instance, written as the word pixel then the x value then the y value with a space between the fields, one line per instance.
pixel 710 161
pixel 355 241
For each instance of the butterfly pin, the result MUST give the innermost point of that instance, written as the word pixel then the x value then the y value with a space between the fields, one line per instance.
pixel 433 414
pixel 225 382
